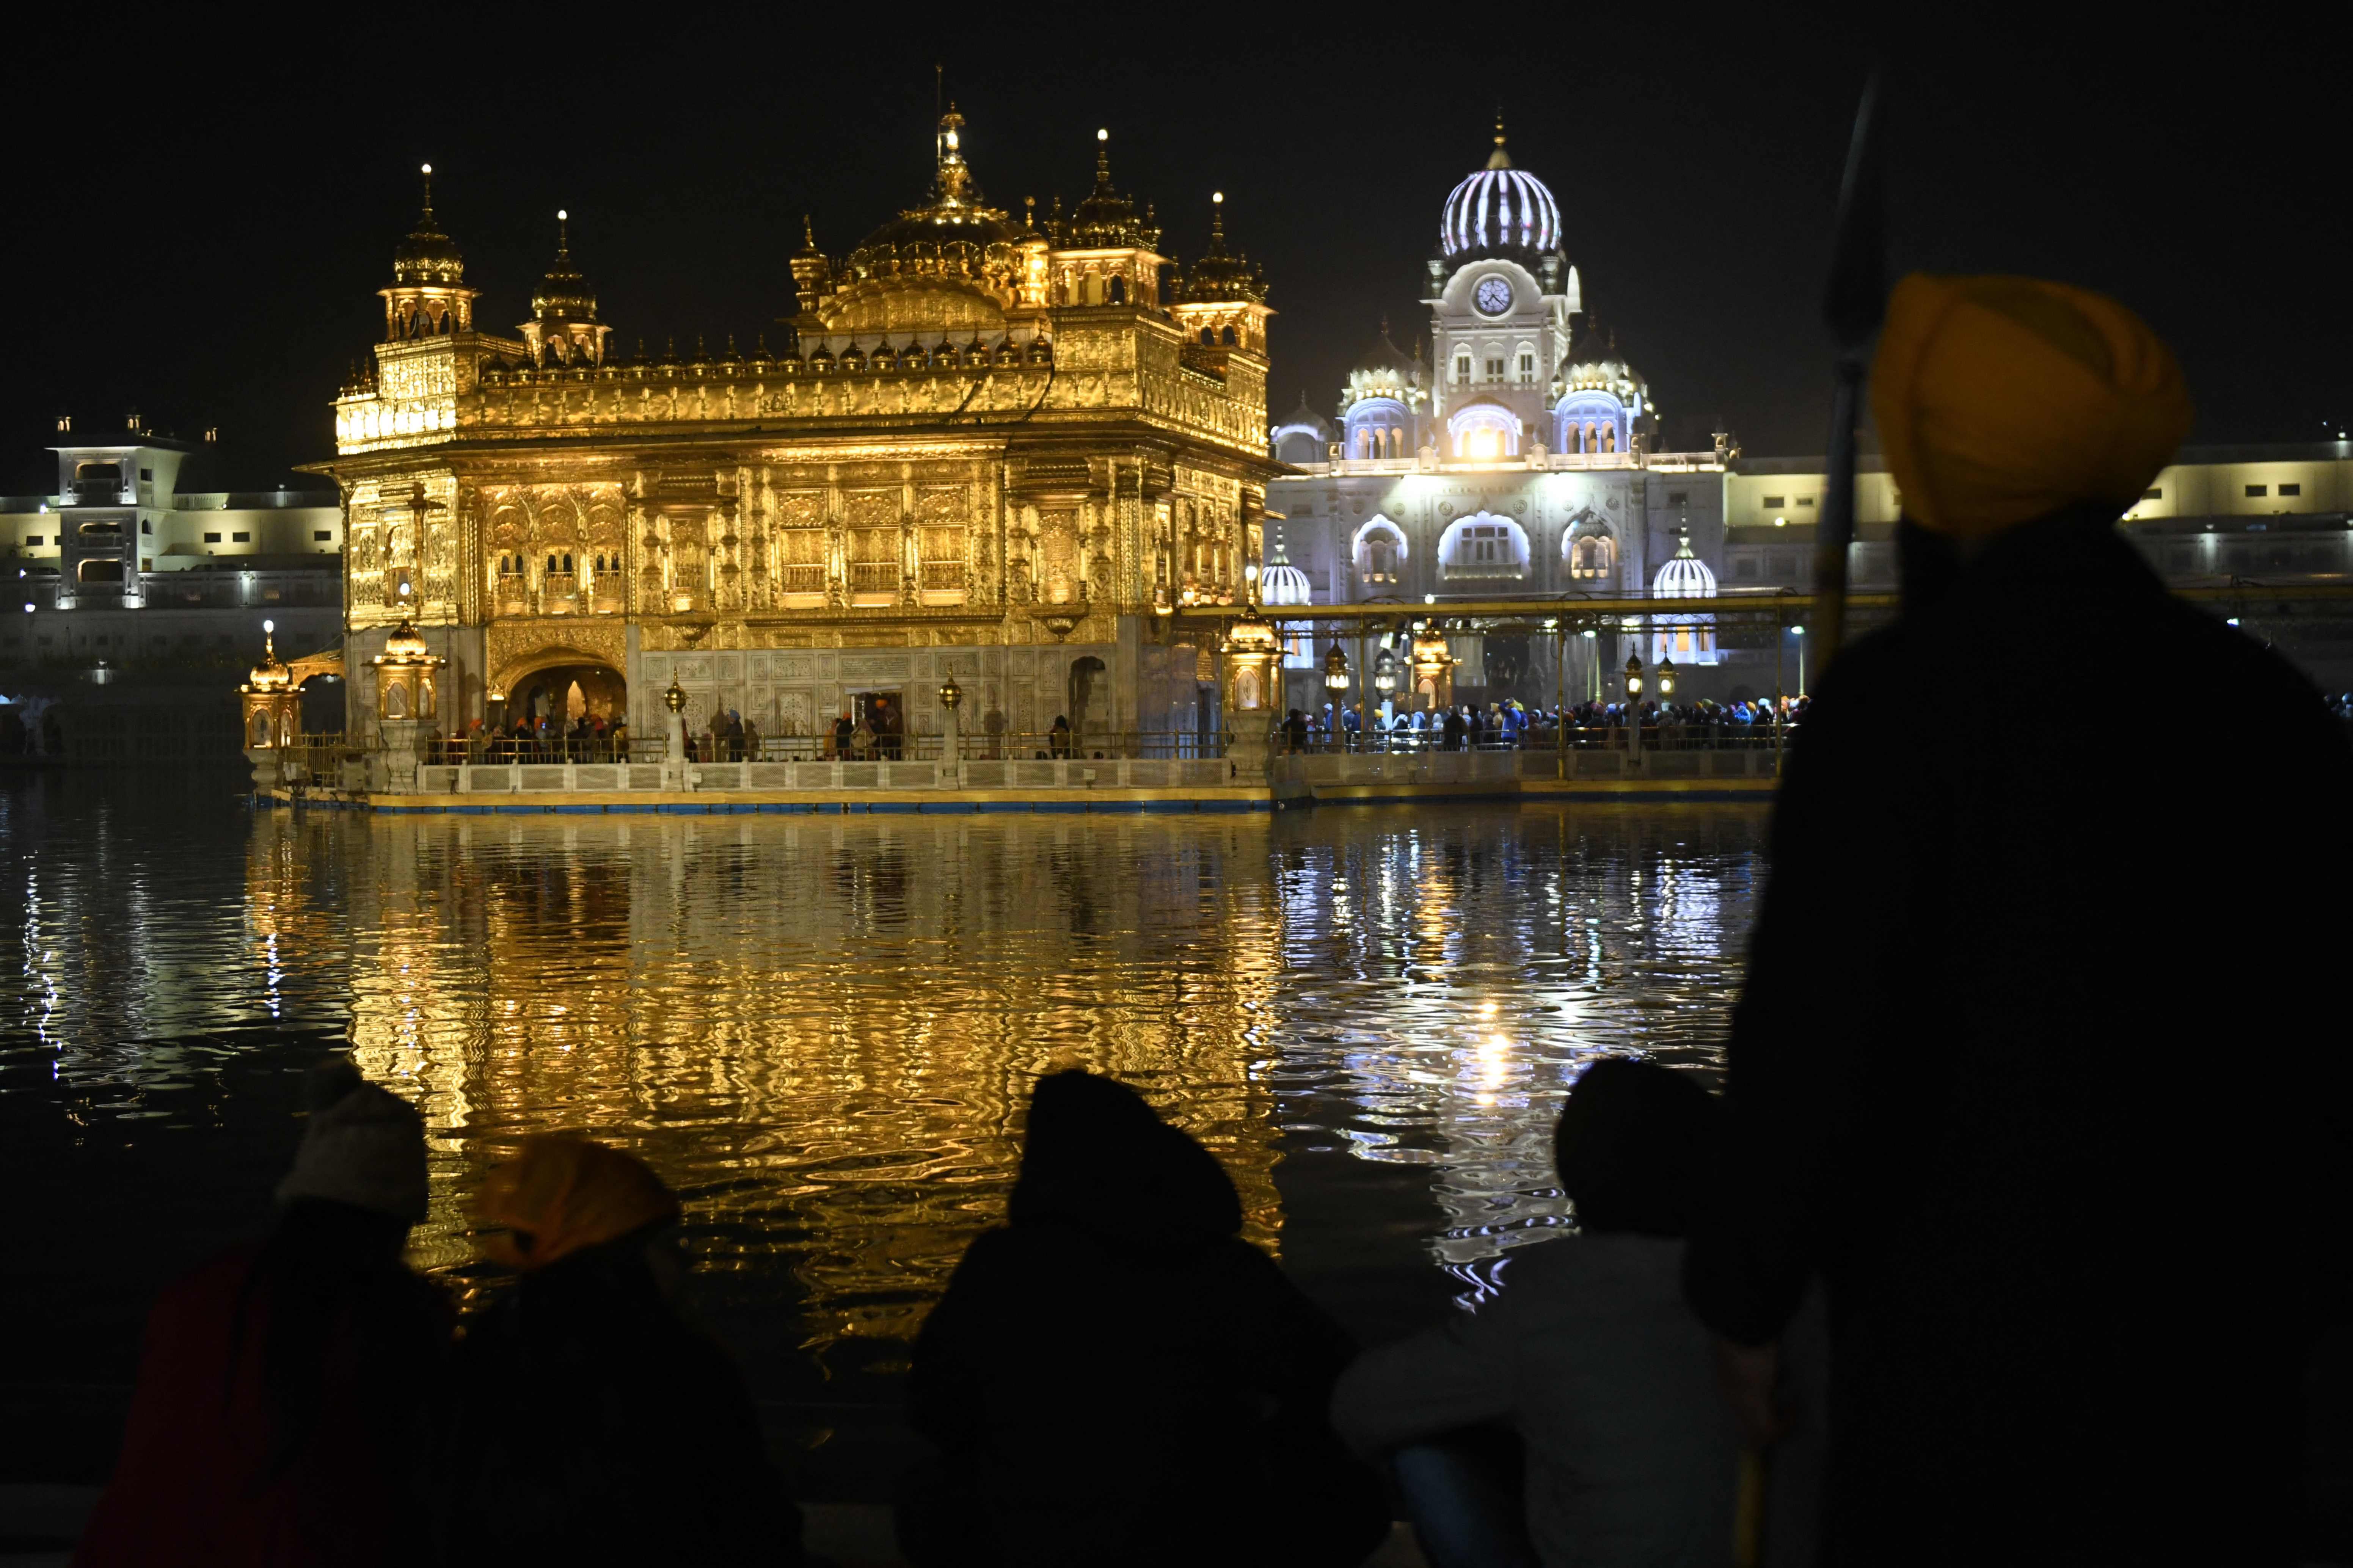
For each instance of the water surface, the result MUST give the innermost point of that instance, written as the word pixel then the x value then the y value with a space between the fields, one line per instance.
pixel 821 1030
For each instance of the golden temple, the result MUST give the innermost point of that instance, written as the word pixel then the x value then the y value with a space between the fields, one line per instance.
pixel 990 447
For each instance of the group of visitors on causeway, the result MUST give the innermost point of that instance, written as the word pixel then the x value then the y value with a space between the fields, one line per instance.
pixel 2006 1240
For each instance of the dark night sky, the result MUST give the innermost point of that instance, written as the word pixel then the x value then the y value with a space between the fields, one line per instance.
pixel 207 247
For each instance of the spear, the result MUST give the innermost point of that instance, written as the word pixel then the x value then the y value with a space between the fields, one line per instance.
pixel 1852 305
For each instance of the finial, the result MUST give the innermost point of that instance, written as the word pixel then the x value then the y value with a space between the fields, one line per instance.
pixel 700 357
pixel 1103 159
pixel 809 232
pixel 1499 159
pixel 731 345
pixel 427 170
pixel 563 235
pixel 1029 211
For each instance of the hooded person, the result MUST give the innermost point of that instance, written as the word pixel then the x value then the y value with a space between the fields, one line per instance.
pixel 2067 1209
pixel 590 1423
pixel 282 1409
pixel 1115 1377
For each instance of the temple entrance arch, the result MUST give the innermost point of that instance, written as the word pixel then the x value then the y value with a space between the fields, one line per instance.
pixel 563 689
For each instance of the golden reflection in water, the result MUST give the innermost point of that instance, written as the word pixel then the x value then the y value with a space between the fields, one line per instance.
pixel 821 1031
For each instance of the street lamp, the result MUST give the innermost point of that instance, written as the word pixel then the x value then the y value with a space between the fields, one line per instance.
pixel 1800 633
pixel 1666 678
pixel 1335 670
pixel 1633 706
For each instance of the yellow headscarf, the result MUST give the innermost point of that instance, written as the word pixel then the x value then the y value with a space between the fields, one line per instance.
pixel 2004 399
pixel 562 1195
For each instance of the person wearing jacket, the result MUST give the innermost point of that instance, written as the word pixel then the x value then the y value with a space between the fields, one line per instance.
pixel 590 1423
pixel 280 1418
pixel 1588 1356
pixel 2006 1077
pixel 1115 1376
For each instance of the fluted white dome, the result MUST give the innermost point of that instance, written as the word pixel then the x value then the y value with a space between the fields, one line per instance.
pixel 1281 583
pixel 1500 209
pixel 1684 576
pixel 1284 583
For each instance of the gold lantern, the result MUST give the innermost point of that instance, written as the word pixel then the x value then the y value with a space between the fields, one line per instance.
pixel 406 689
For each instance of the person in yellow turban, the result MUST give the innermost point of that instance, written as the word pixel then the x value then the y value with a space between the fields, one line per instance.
pixel 2020 1077
pixel 591 1422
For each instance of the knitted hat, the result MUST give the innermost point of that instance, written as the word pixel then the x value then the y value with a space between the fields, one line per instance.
pixel 363 1145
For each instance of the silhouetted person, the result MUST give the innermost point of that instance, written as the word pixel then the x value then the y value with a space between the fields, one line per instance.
pixel 1295 732
pixel 1115 1377
pixel 589 1423
pixel 1588 1359
pixel 1057 739
pixel 2021 1069
pixel 1454 730
pixel 281 1411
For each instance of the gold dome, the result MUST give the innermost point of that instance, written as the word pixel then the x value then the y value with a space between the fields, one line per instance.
pixel 563 294
pixel 1253 634
pixel 269 674
pixel 405 646
pixel 427 256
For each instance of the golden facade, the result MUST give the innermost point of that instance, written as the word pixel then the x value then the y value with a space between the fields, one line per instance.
pixel 988 447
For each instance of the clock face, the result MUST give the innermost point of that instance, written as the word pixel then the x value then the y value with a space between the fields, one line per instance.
pixel 1494 296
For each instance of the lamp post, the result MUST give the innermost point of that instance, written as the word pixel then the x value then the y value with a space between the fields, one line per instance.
pixel 674 726
pixel 1335 681
pixel 1800 633
pixel 951 740
pixel 1634 706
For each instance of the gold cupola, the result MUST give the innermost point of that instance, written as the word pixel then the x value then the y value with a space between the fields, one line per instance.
pixel 564 330
pixel 429 296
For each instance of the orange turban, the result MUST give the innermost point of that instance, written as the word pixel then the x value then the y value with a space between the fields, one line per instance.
pixel 562 1195
pixel 2004 399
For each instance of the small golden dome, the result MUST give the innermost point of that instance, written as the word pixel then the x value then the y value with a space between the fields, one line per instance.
pixel 405 646
pixel 1253 634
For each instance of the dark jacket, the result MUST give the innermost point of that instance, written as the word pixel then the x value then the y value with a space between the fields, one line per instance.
pixel 590 1425
pixel 1116 1376
pixel 280 1418
pixel 2023 1070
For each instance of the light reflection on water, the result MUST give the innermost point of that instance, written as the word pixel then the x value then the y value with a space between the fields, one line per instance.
pixel 820 1029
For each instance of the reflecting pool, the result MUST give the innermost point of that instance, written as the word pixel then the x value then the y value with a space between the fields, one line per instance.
pixel 821 1030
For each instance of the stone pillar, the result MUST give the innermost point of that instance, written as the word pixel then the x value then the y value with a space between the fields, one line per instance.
pixel 404 746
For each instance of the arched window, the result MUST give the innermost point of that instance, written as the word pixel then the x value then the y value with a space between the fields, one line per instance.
pixel 1208 338
pixel 1381 553
pixel 1592 555
pixel 551 565
pixel 567 560
pixel 1609 437
pixel 1119 290
pixel 1227 337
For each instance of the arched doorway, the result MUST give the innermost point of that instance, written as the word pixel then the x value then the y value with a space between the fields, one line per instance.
pixel 1086 680
pixel 568 709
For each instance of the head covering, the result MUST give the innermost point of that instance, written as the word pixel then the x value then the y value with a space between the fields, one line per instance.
pixel 1632 1144
pixel 1097 1156
pixel 561 1195
pixel 2004 399
pixel 363 1145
